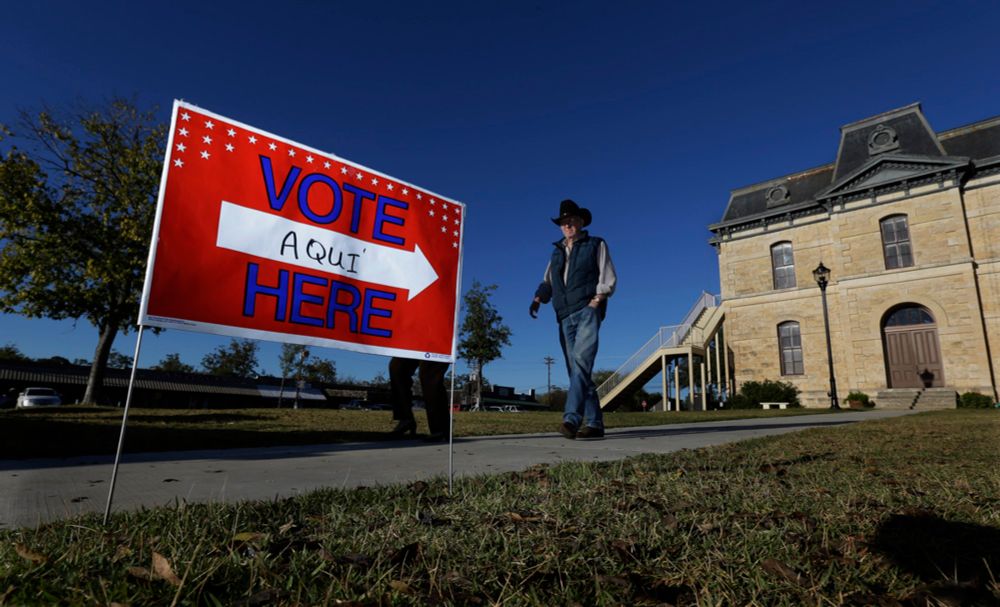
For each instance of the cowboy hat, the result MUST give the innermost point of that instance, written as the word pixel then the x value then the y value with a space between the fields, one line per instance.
pixel 569 208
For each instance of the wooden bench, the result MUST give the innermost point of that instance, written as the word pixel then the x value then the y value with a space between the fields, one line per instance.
pixel 774 405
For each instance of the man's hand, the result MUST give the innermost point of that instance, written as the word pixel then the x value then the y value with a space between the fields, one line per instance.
pixel 533 308
pixel 595 301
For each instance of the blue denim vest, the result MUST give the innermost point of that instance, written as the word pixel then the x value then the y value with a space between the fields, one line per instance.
pixel 581 285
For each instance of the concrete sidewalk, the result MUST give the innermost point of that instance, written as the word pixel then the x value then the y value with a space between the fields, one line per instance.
pixel 41 490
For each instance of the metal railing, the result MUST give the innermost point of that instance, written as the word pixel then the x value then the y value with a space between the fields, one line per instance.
pixel 666 337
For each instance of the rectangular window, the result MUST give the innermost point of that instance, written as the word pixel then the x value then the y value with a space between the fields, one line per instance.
pixel 790 345
pixel 896 242
pixel 782 265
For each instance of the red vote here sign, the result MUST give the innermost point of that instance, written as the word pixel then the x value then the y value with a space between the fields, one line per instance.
pixel 261 237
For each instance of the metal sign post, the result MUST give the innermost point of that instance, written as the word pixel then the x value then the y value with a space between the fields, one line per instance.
pixel 121 435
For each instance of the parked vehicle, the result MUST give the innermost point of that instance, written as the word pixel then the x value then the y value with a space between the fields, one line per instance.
pixel 38 397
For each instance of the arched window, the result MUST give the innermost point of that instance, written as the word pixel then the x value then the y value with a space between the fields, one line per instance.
pixel 782 265
pixel 790 348
pixel 896 242
pixel 910 314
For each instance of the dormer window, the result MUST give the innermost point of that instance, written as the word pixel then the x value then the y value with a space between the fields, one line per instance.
pixel 883 139
pixel 776 196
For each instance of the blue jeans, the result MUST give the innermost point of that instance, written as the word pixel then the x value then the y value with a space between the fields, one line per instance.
pixel 578 338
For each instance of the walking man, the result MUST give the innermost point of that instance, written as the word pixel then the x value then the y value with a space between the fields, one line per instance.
pixel 578 281
pixel 432 374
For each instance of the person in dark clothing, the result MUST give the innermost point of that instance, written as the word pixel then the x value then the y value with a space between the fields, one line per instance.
pixel 435 397
pixel 578 281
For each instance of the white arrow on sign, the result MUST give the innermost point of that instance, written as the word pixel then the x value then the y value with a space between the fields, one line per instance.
pixel 279 239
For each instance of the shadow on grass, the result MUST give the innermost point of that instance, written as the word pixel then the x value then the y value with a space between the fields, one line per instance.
pixel 751 425
pixel 26 437
pixel 214 418
pixel 955 560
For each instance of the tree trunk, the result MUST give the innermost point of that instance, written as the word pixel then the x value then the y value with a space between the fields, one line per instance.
pixel 479 384
pixel 100 364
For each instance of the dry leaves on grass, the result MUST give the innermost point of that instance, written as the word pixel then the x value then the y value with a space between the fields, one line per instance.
pixel 525 516
pixel 780 570
pixel 625 551
pixel 161 570
pixel 249 536
pixel 400 586
pixel 121 552
pixel 29 555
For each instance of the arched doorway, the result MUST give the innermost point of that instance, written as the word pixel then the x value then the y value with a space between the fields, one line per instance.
pixel 912 351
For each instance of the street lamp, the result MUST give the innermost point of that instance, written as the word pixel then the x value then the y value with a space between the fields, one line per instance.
pixel 822 276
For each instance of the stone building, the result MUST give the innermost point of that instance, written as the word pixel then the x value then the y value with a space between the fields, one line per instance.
pixel 908 222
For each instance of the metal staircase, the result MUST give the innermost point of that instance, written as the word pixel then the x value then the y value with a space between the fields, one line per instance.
pixel 692 335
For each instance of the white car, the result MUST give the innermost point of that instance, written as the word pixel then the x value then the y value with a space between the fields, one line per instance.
pixel 38 397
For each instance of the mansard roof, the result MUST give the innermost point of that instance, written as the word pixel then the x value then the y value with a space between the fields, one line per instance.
pixel 896 147
pixel 979 141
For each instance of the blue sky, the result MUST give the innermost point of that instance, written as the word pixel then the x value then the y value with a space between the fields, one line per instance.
pixel 648 113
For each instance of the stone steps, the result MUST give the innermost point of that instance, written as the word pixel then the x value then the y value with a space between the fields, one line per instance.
pixel 938 398
pixel 917 399
pixel 897 398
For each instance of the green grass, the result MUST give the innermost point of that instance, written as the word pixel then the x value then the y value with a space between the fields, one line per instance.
pixel 85 430
pixel 887 512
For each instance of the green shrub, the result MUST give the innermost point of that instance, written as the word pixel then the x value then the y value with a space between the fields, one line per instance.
pixel 975 400
pixel 858 396
pixel 738 401
pixel 753 393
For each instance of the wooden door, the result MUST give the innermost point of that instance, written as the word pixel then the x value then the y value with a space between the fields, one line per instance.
pixel 913 357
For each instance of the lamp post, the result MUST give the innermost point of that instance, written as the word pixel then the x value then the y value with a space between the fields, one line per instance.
pixel 822 276
pixel 549 361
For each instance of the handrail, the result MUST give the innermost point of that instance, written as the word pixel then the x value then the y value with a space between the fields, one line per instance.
pixel 666 337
